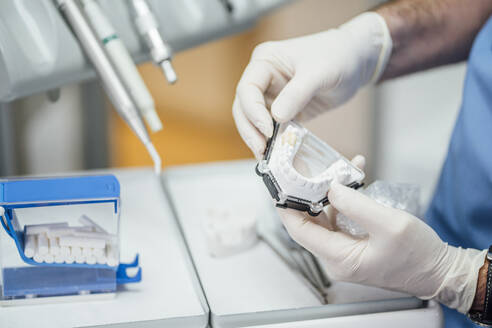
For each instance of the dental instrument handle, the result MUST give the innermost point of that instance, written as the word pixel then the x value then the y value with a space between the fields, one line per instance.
pixel 110 79
pixel 160 51
pixel 123 63
pixel 168 70
pixel 111 82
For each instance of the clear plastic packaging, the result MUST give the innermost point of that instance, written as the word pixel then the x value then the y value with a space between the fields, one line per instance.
pixel 402 196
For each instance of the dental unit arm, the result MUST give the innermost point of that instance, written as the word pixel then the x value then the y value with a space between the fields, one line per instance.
pixel 38 52
pixel 41 49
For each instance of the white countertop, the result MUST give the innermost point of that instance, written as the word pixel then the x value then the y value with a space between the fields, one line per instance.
pixel 167 293
pixel 255 286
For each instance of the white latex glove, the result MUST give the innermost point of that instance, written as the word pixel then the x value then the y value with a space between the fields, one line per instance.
pixel 401 252
pixel 305 76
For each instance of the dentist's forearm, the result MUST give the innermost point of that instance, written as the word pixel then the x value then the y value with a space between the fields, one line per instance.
pixel 430 33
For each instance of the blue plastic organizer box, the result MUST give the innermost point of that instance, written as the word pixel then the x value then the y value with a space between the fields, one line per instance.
pixel 53 279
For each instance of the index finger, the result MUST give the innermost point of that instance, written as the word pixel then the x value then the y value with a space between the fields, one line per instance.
pixel 251 91
pixel 366 212
pixel 317 239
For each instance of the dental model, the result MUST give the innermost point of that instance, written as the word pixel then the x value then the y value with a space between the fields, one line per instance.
pixel 298 169
pixel 61 243
pixel 229 233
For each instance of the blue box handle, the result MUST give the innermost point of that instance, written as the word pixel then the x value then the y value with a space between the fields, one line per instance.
pixel 35 191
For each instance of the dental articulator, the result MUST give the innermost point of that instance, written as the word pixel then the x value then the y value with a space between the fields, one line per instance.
pixel 298 169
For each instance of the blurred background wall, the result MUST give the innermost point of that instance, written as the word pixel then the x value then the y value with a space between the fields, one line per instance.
pixel 414 119
pixel 196 112
pixel 402 127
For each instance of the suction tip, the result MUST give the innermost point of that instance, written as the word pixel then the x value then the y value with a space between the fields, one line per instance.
pixel 153 120
pixel 155 157
pixel 169 72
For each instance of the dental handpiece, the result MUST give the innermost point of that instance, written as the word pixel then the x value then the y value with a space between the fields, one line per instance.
pixel 123 63
pixel 111 82
pixel 148 28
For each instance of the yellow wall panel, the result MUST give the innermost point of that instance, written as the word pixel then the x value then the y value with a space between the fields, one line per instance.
pixel 196 112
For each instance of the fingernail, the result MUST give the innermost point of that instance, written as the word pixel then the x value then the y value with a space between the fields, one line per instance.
pixel 260 150
pixel 276 117
pixel 269 130
pixel 280 114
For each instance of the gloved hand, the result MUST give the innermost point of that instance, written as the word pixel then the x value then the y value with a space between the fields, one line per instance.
pixel 305 76
pixel 400 253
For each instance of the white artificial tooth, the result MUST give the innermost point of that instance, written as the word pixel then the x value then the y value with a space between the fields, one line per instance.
pixel 343 174
pixel 318 186
pixel 283 162
pixel 285 170
pixel 289 137
pixel 301 182
pixel 291 156
pixel 326 180
pixel 292 175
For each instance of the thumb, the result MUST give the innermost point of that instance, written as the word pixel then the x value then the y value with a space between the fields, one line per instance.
pixel 294 97
pixel 359 161
pixel 358 207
